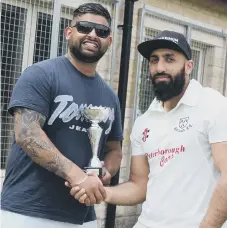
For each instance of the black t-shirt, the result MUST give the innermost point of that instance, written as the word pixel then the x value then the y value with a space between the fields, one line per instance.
pixel 56 89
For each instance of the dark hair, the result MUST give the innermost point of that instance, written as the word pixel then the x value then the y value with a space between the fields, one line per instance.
pixel 92 8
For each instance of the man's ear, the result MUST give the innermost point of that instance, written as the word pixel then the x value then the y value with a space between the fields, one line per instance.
pixel 68 32
pixel 189 67
pixel 110 40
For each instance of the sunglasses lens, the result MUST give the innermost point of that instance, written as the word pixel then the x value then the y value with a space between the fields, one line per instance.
pixel 84 28
pixel 104 33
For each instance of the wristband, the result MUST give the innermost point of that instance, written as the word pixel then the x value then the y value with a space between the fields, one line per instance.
pixel 85 178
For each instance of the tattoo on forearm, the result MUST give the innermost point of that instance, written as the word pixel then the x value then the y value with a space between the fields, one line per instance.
pixel 36 144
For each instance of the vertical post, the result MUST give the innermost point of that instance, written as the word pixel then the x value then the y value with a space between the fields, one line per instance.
pixel 122 90
pixel 138 61
pixel 115 5
pixel 55 28
pixel 188 34
pixel 225 71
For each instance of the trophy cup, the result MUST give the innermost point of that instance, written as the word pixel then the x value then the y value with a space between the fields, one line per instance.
pixel 95 115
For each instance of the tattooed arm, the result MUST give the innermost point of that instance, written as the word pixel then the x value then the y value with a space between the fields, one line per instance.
pixel 33 140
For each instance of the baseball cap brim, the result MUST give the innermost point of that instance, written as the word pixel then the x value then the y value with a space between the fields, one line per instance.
pixel 147 47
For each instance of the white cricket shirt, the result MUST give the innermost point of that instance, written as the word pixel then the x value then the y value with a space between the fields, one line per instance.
pixel 177 144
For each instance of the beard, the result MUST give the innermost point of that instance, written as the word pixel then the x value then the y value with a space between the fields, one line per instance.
pixel 78 53
pixel 166 90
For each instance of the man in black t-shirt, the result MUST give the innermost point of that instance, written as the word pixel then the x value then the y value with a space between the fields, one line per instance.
pixel 51 141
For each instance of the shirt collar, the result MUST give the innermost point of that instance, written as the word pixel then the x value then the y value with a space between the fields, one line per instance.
pixel 189 98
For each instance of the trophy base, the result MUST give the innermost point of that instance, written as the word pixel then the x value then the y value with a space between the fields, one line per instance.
pixel 99 171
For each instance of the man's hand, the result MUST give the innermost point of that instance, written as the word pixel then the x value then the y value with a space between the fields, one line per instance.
pixel 81 196
pixel 129 193
pixel 107 176
pixel 80 193
pixel 91 189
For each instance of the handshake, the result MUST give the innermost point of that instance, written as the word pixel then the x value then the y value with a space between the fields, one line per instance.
pixel 91 190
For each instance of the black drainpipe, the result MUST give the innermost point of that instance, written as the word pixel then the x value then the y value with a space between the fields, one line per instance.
pixel 122 90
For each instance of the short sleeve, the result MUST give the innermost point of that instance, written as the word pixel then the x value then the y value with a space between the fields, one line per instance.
pixel 32 91
pixel 116 129
pixel 136 140
pixel 217 130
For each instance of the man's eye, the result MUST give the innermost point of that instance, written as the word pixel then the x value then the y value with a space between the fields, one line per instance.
pixel 170 60
pixel 153 61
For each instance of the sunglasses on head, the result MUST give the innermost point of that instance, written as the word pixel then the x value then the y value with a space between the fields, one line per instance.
pixel 86 27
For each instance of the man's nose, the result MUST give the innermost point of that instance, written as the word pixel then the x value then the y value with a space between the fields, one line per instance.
pixel 160 66
pixel 92 33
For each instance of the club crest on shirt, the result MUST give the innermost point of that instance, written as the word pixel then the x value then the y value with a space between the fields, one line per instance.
pixel 145 134
pixel 183 125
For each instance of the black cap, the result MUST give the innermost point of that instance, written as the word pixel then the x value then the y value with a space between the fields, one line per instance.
pixel 166 39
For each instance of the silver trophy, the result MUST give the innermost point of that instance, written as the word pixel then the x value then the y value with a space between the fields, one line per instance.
pixel 95 115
